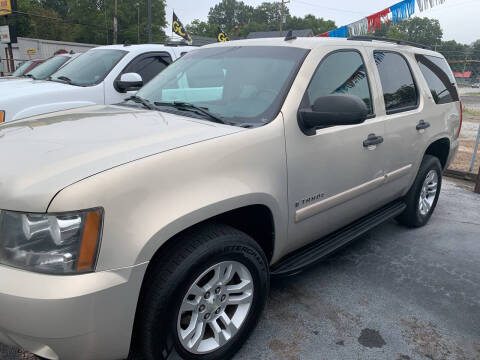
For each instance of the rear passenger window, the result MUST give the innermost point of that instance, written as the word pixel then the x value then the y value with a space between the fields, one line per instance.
pixel 439 78
pixel 399 90
pixel 341 72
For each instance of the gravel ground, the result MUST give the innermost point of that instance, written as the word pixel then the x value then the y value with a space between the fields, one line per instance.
pixel 394 294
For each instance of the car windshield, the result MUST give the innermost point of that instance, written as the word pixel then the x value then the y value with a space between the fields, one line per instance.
pixel 46 69
pixel 22 68
pixel 240 84
pixel 89 68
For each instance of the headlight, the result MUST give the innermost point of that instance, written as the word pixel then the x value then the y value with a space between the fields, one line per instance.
pixel 64 243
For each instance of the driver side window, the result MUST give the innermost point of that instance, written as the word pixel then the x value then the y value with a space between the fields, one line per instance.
pixel 340 72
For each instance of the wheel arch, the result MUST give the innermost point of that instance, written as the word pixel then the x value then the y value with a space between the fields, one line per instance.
pixel 440 148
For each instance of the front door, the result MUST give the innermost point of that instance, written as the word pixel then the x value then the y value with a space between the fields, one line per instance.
pixel 333 177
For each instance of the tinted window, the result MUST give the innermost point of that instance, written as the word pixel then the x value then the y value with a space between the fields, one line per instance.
pixel 46 69
pixel 149 67
pixel 22 68
pixel 399 90
pixel 439 78
pixel 239 83
pixel 341 72
pixel 89 68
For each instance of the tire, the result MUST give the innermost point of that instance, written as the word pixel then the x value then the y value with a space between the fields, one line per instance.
pixel 415 215
pixel 168 287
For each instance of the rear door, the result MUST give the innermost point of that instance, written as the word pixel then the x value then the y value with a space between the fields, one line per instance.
pixel 333 178
pixel 403 109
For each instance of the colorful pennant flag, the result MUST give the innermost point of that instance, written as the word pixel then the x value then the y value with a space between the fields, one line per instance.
pixel 358 28
pixel 222 36
pixel 178 29
pixel 340 32
pixel 403 10
pixel 426 4
pixel 375 20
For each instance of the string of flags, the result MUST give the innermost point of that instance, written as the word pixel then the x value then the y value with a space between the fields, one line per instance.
pixel 391 15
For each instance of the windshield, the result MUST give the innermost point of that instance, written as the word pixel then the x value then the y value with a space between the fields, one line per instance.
pixel 89 68
pixel 239 84
pixel 22 68
pixel 46 69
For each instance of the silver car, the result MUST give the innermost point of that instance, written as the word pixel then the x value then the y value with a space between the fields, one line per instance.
pixel 150 229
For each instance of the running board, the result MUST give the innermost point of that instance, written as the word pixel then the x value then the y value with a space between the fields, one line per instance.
pixel 314 252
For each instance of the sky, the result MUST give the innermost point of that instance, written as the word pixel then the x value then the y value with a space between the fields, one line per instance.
pixel 459 18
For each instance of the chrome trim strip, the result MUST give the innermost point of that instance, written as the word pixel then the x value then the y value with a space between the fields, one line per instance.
pixel 349 194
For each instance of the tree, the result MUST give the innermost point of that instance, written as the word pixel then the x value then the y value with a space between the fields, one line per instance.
pixel 202 28
pixel 318 25
pixel 229 13
pixel 421 30
pixel 269 13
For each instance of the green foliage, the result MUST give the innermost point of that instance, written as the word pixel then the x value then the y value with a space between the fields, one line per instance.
pixel 202 28
pixel 265 17
pixel 318 25
pixel 420 30
pixel 89 21
pixel 229 13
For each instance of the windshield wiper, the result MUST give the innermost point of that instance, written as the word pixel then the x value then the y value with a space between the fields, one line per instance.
pixel 139 100
pixel 184 106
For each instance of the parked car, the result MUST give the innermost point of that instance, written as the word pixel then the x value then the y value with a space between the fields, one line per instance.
pixel 476 85
pixel 102 75
pixel 44 70
pixel 24 68
pixel 150 229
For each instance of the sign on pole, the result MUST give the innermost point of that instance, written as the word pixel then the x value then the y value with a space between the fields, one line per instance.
pixel 5 7
pixel 4 34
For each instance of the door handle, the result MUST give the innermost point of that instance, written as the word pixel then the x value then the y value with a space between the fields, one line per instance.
pixel 372 141
pixel 422 125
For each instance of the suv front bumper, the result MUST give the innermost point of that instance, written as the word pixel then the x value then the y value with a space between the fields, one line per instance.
pixel 84 317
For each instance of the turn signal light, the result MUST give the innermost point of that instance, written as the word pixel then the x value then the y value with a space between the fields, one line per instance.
pixel 2 116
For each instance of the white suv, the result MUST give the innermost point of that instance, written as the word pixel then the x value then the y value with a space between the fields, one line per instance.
pixel 103 75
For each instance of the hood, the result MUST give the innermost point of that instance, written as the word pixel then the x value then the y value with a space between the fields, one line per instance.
pixel 27 87
pixel 44 154
pixel 13 78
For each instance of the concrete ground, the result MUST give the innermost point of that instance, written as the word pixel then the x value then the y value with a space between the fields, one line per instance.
pixel 394 294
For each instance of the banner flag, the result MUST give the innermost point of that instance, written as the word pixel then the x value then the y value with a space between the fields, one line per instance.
pixel 426 4
pixel 358 28
pixel 178 29
pixel 375 20
pixel 340 32
pixel 402 10
pixel 222 36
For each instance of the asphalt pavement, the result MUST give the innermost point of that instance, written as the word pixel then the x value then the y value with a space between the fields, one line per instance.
pixel 394 294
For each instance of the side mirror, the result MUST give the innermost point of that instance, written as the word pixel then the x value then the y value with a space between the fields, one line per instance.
pixel 129 82
pixel 332 110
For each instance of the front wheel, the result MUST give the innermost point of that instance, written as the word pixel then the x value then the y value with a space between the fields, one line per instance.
pixel 204 297
pixel 422 197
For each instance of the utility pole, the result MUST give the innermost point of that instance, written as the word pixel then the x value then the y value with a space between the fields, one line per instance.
pixel 282 12
pixel 115 23
pixel 149 21
pixel 138 23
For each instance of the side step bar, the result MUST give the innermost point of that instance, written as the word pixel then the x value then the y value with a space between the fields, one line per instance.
pixel 314 252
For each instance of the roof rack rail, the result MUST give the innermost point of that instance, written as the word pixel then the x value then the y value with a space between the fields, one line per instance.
pixel 396 41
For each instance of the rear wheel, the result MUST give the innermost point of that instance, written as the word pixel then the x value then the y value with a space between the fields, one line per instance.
pixel 422 197
pixel 202 299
